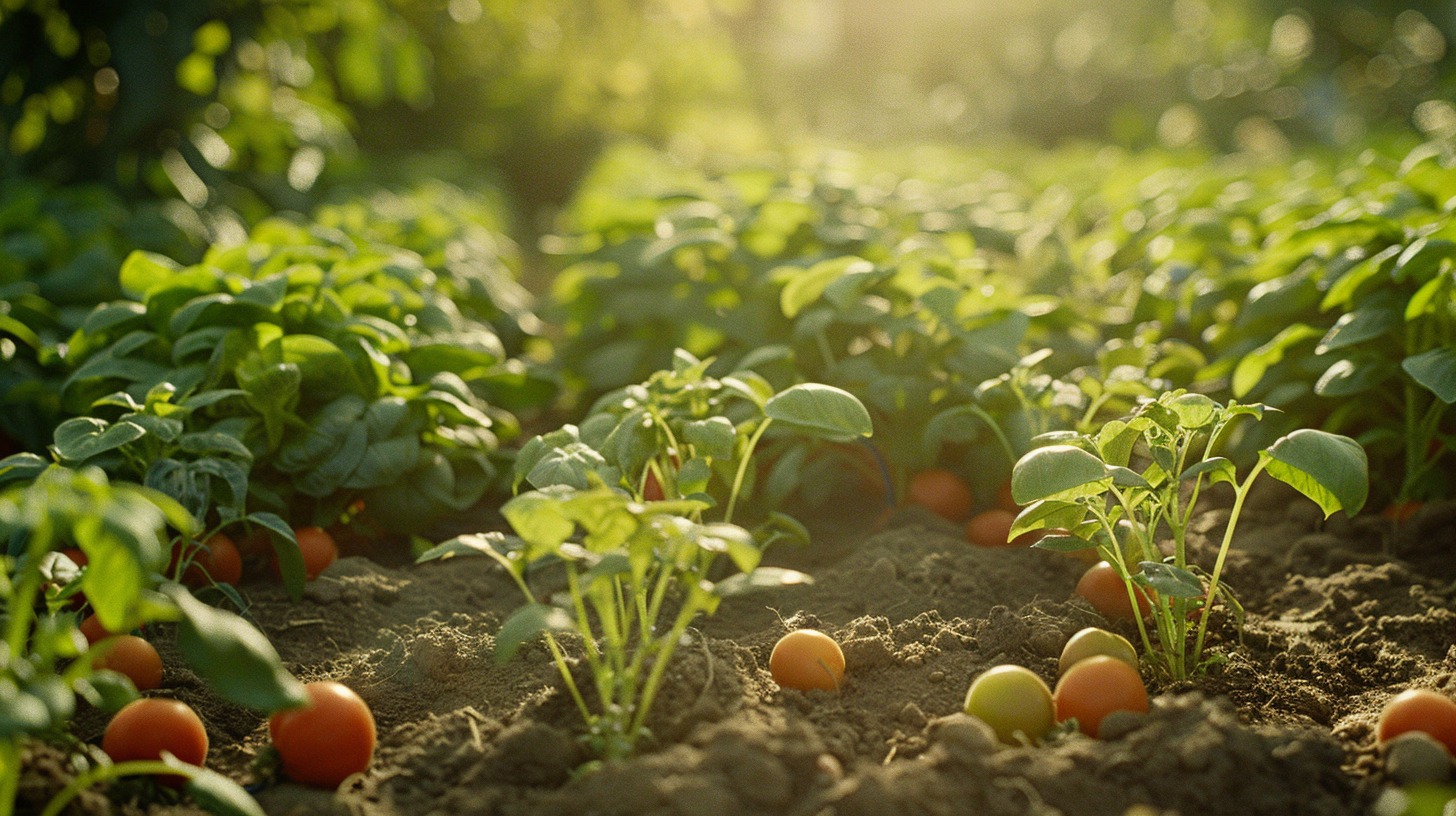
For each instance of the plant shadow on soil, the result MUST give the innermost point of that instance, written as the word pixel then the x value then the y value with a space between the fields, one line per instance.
pixel 1341 614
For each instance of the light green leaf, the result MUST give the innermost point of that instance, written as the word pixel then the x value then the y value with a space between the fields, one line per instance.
pixel 821 410
pixel 528 623
pixel 1330 469
pixel 1061 472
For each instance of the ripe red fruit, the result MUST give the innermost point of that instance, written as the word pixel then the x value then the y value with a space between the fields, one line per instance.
pixel 327 741
pixel 216 560
pixel 135 658
pixel 1095 687
pixel 1423 710
pixel 807 659
pixel 144 728
pixel 318 548
pixel 1102 587
pixel 941 492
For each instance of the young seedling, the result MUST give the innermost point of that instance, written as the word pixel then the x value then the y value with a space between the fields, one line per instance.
pixel 637 574
pixel 1084 484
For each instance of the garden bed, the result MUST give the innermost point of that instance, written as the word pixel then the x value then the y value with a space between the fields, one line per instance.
pixel 1341 615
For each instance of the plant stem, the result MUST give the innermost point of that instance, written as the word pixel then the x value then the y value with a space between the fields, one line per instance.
pixel 9 775
pixel 102 773
pixel 659 666
pixel 743 469
pixel 1240 493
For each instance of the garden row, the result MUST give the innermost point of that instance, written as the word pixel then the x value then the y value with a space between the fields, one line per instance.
pixel 724 341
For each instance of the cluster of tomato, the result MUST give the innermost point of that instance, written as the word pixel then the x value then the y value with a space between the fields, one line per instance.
pixel 320 744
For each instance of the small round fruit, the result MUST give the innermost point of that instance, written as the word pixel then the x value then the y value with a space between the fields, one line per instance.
pixel 135 658
pixel 326 741
pixel 1093 641
pixel 1095 687
pixel 807 659
pixel 991 528
pixel 1014 701
pixel 1102 587
pixel 941 492
pixel 92 629
pixel 318 548
pixel 144 728
pixel 217 560
pixel 1423 710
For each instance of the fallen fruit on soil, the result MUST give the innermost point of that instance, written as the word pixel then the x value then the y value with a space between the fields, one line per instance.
pixel 135 658
pixel 1102 587
pixel 941 492
pixel 990 528
pixel 92 629
pixel 1424 710
pixel 806 659
pixel 144 728
pixel 217 560
pixel 327 741
pixel 1095 687
pixel 1014 701
pixel 1091 642
pixel 318 548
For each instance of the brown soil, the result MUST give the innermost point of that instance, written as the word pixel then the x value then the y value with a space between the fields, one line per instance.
pixel 1341 615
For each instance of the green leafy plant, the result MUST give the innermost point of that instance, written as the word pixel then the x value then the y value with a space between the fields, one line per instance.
pixel 1121 489
pixel 637 574
pixel 45 663
pixel 685 434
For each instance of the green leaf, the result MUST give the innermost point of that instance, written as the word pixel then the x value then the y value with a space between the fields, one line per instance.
pixel 1372 319
pixel 803 287
pixel 1063 543
pixel 713 437
pixel 1434 370
pixel 216 793
pixel 528 623
pixel 821 410
pixel 1252 367
pixel 81 438
pixel 235 659
pixel 1048 515
pixel 1330 469
pixel 1218 469
pixel 761 578
pixel 214 443
pixel 538 518
pixel 142 272
pixel 1061 472
pixel 492 544
pixel 570 465
pixel 1194 410
pixel 1348 377
pixel 1171 581
pixel 285 548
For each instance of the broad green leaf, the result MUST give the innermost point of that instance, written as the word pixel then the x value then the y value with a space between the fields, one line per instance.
pixel 493 544
pixel 1218 469
pixel 1126 477
pixel 285 548
pixel 1171 581
pixel 1048 515
pixel 1330 469
pixel 528 623
pixel 713 437
pixel 1434 370
pixel 212 443
pixel 1063 543
pixel 1372 319
pixel 761 578
pixel 234 658
pixel 803 287
pixel 693 476
pixel 1252 367
pixel 83 437
pixel 1352 376
pixel 215 793
pixel 569 465
pixel 1061 472
pixel 1116 440
pixel 143 271
pixel 822 411
pixel 1194 410
pixel 537 518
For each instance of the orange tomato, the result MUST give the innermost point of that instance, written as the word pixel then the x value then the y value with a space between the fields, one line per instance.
pixel 1095 687
pixel 135 658
pixel 92 629
pixel 1013 701
pixel 319 550
pixel 1401 511
pixel 144 728
pixel 1102 587
pixel 807 659
pixel 990 528
pixel 941 492
pixel 1004 499
pixel 1424 710
pixel 216 560
pixel 326 741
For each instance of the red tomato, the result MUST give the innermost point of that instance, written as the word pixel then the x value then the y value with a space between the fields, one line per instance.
pixel 1420 710
pixel 941 492
pixel 135 658
pixel 807 659
pixel 1102 587
pixel 216 560
pixel 327 741
pixel 1095 687
pixel 318 548
pixel 92 629
pixel 144 728
pixel 1401 511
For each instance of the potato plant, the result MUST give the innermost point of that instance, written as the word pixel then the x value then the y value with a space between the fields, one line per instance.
pixel 637 574
pixel 1119 489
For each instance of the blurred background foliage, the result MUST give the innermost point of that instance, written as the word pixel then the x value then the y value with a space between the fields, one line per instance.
pixel 241 108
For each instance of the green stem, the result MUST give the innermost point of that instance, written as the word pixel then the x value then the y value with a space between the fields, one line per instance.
pixel 995 429
pixel 558 656
pixel 743 469
pixel 659 665
pixel 9 775
pixel 1240 493
pixel 102 773
pixel 1114 548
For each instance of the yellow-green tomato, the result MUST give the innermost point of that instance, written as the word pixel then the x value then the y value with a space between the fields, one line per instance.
pixel 1014 702
pixel 1093 641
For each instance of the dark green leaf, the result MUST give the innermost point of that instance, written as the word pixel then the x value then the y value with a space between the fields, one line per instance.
pixel 1434 370
pixel 761 578
pixel 234 658
pixel 1328 468
pixel 528 623
pixel 1172 581
pixel 1062 472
